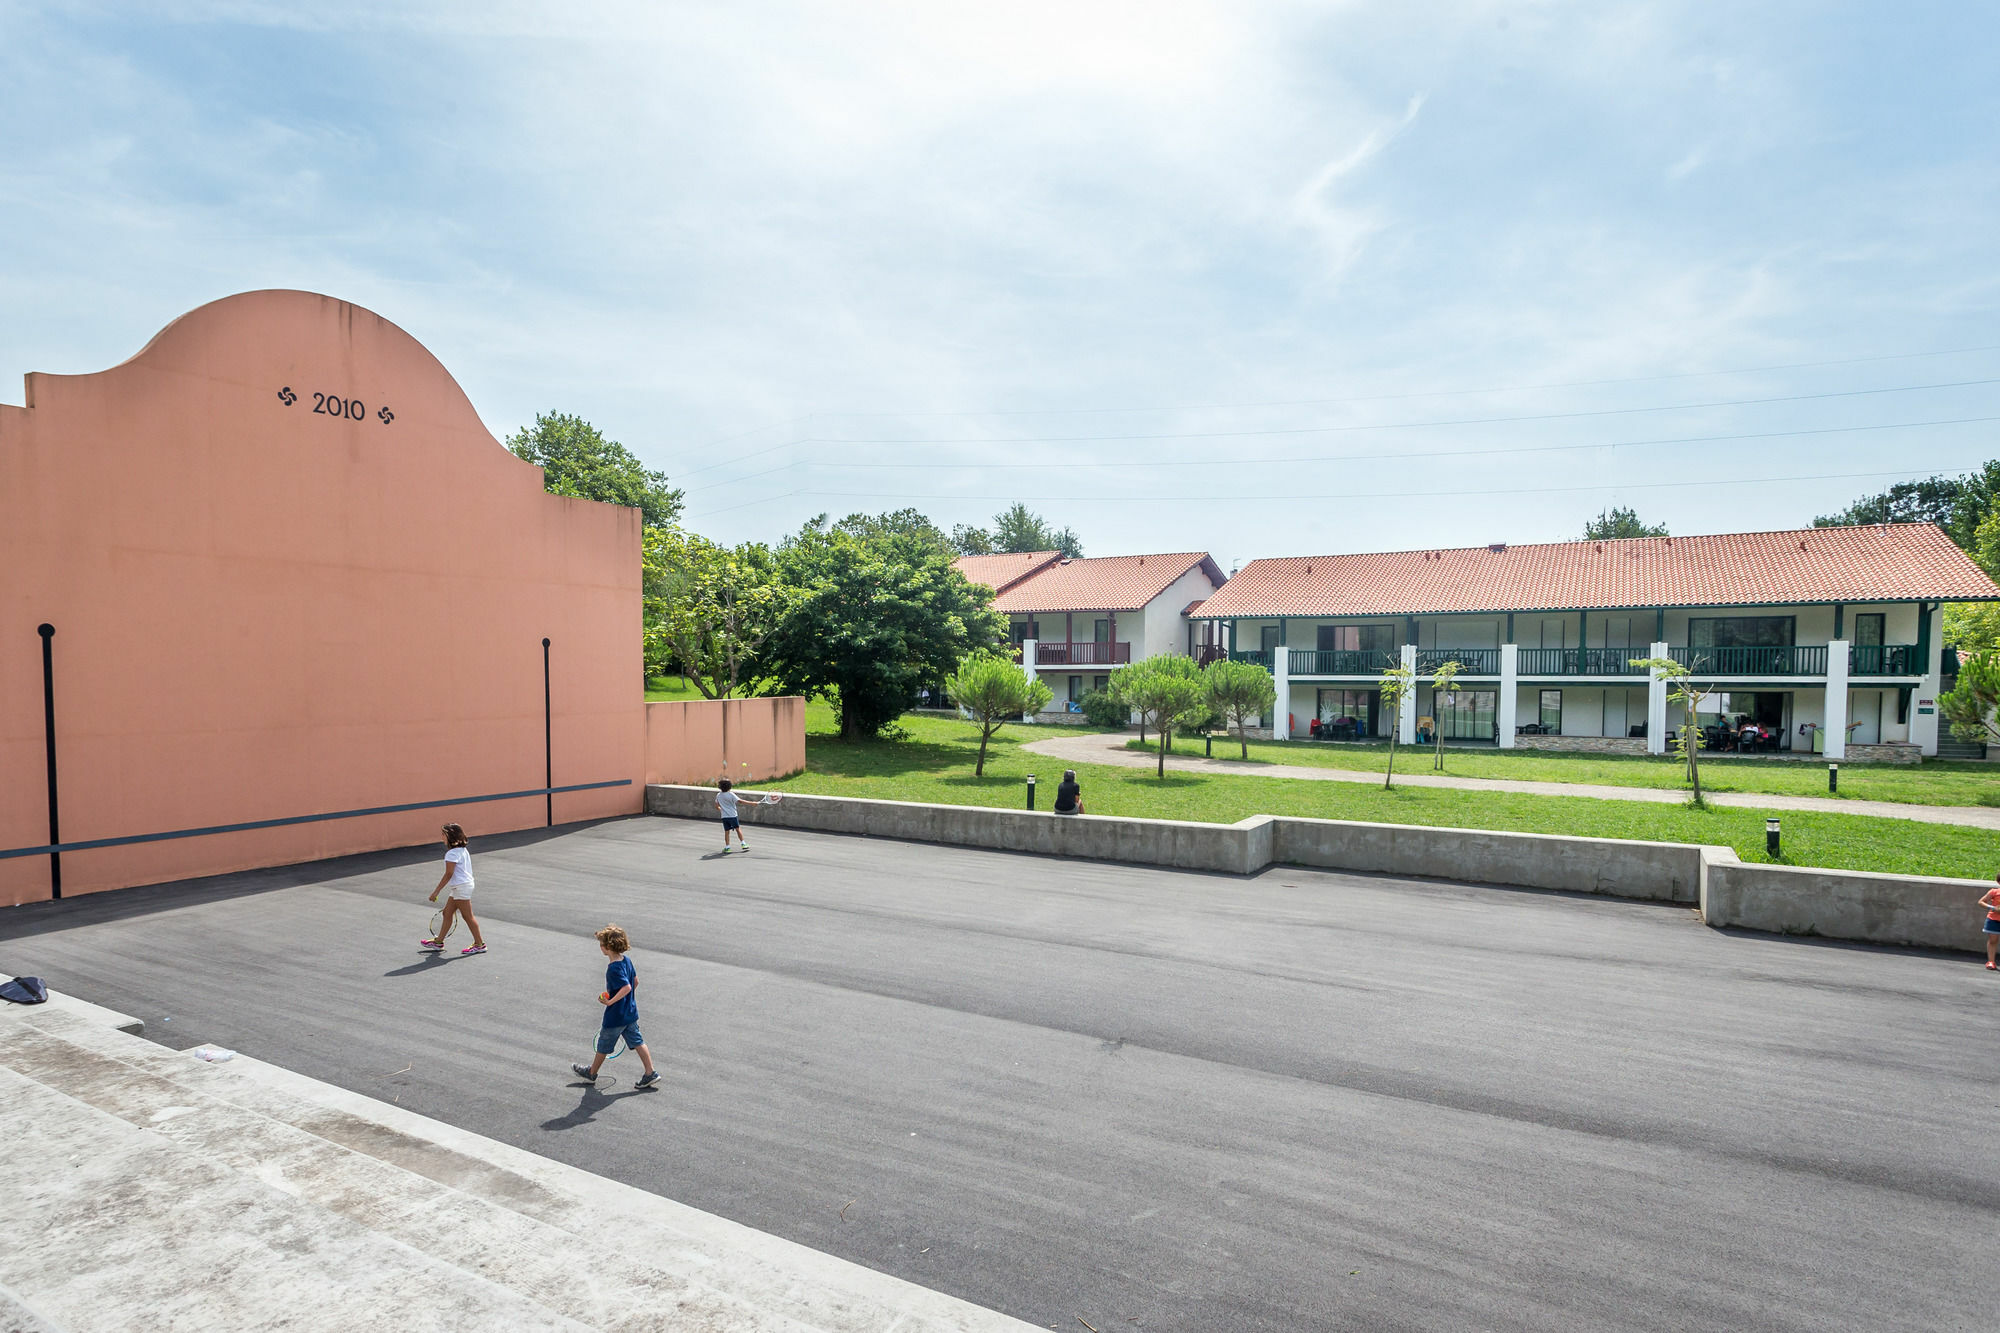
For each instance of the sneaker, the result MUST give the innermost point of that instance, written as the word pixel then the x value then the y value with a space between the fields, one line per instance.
pixel 471 949
pixel 583 1072
pixel 649 1078
pixel 745 847
pixel 431 946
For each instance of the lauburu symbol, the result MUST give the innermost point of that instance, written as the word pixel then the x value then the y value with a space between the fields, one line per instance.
pixel 386 415
pixel 286 396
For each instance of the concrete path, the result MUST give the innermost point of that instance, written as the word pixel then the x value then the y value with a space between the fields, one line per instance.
pixel 149 1189
pixel 1101 749
pixel 1147 1100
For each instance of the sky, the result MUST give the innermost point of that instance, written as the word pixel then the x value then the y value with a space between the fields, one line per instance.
pixel 1256 279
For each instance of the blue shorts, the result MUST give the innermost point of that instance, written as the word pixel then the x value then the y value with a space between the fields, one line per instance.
pixel 607 1038
pixel 1992 926
pixel 730 822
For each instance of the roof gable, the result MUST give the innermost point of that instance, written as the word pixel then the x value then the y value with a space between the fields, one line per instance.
pixel 1107 583
pixel 1005 569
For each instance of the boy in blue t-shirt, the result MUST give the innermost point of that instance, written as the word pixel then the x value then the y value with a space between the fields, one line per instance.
pixel 620 999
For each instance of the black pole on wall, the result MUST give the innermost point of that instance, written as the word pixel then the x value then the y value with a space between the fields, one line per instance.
pixel 548 738
pixel 48 633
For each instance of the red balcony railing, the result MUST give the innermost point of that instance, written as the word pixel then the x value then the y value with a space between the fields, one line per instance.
pixel 1082 654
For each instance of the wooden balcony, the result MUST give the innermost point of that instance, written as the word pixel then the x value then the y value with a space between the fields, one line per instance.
pixel 1049 654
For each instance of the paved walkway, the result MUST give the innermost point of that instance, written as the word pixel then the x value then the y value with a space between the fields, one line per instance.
pixel 1097 748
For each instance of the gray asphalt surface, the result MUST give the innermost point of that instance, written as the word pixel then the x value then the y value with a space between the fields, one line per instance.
pixel 1146 1099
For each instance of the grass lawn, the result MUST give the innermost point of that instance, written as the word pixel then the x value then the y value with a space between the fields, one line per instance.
pixel 669 687
pixel 934 763
pixel 1934 782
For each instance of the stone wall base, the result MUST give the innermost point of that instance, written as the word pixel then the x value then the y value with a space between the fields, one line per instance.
pixel 1895 752
pixel 1583 744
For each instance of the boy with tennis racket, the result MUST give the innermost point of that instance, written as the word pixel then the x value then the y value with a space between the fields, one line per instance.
pixel 725 805
pixel 620 999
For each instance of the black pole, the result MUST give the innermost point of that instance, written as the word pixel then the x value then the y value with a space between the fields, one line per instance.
pixel 48 633
pixel 548 738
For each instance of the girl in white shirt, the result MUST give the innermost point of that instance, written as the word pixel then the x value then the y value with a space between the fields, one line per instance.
pixel 458 878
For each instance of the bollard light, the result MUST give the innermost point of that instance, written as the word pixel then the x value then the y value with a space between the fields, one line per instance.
pixel 1208 747
pixel 1771 837
pixel 1031 791
pixel 1833 777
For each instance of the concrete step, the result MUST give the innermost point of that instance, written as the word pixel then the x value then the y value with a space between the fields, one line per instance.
pixel 581 1250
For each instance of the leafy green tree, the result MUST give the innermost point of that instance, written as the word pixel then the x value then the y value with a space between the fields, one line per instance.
pixel 708 609
pixel 1398 683
pixel 1238 691
pixel 1690 696
pixel 577 461
pixel 1018 528
pixel 969 540
pixel 995 690
pixel 1976 625
pixel 1956 504
pixel 1164 691
pixel 1613 523
pixel 873 610
pixel 1970 705
pixel 1443 681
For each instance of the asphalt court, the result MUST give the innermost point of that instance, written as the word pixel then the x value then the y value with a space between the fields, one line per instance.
pixel 1145 1099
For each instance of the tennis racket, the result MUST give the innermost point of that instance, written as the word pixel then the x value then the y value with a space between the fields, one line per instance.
pixel 437 924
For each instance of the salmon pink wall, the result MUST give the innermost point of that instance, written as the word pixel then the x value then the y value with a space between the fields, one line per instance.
pixel 263 611
pixel 745 740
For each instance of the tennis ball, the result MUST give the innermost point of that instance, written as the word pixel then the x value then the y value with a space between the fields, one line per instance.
pixel 604 995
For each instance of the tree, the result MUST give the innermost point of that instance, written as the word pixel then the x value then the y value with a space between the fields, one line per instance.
pixel 708 609
pixel 1976 625
pixel 1238 691
pixel 1956 504
pixel 1970 704
pixel 1690 696
pixel 969 540
pixel 1397 684
pixel 1164 690
pixel 1613 523
pixel 1443 681
pixel 1018 528
pixel 576 460
pixel 874 610
pixel 995 690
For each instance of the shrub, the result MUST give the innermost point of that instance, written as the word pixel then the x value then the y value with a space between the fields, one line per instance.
pixel 1105 711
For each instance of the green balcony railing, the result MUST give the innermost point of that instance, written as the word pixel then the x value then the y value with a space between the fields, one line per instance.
pixel 1885 659
pixel 1343 661
pixel 1786 660
pixel 1471 661
pixel 1257 655
pixel 1578 662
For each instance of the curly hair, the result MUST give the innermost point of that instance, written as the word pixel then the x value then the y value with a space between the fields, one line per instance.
pixel 614 939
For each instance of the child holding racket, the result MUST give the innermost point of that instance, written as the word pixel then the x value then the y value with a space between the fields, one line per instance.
pixel 458 878
pixel 1991 902
pixel 725 805
pixel 620 999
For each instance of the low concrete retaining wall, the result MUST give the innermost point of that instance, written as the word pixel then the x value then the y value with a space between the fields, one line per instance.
pixel 1657 870
pixel 1846 905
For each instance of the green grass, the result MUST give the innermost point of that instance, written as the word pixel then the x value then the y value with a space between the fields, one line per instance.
pixel 1934 782
pixel 933 762
pixel 669 687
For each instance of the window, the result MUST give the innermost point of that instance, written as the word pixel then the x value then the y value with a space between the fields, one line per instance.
pixel 1102 631
pixel 1868 630
pixel 1026 629
pixel 1740 632
pixel 1361 707
pixel 1552 712
pixel 1075 688
pixel 1100 683
pixel 1467 715
pixel 1349 638
pixel 1267 639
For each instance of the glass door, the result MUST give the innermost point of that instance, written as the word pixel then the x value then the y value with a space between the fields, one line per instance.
pixel 1468 715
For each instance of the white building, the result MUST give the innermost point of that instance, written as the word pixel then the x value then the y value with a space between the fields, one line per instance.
pixel 1819 640
pixel 1076 621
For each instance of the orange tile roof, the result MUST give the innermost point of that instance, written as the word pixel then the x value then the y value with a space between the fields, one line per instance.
pixel 1107 583
pixel 1876 563
pixel 1001 572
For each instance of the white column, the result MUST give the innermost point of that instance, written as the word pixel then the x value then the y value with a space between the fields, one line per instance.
pixel 1510 692
pixel 1406 716
pixel 1281 673
pixel 1656 706
pixel 1836 699
pixel 1924 717
pixel 1028 664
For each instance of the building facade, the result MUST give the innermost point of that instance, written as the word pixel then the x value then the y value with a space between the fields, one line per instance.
pixel 1817 641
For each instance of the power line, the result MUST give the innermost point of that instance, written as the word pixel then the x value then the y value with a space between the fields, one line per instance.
pixel 1385 495
pixel 1357 458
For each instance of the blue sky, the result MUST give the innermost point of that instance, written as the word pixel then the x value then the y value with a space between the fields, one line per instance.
pixel 1257 279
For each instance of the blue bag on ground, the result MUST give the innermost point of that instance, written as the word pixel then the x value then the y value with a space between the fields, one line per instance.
pixel 25 990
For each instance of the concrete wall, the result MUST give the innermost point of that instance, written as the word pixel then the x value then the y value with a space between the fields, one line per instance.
pixel 1669 871
pixel 744 740
pixel 265 612
pixel 1846 905
pixel 1835 904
